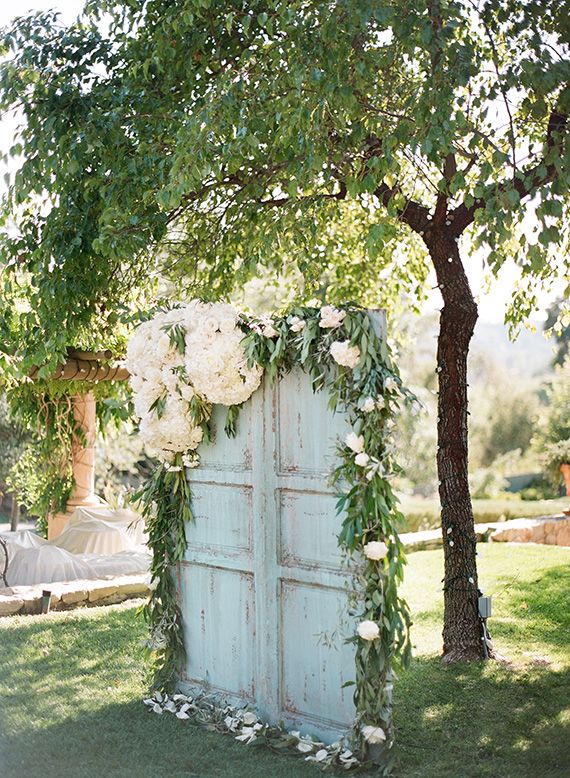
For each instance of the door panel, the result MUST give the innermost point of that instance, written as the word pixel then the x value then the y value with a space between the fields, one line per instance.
pixel 262 581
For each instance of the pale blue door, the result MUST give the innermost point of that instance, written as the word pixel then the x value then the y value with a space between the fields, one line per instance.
pixel 262 578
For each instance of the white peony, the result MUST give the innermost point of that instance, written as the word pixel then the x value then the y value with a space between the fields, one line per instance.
pixel 373 735
pixel 368 630
pixel 355 442
pixel 375 550
pixel 368 405
pixel 331 317
pixel 296 324
pixel 362 459
pixel 344 354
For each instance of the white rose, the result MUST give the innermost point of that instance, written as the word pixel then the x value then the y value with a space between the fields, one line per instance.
pixel 390 384
pixel 368 630
pixel 375 550
pixel 296 324
pixel 368 405
pixel 344 354
pixel 355 442
pixel 331 317
pixel 362 459
pixel 373 735
pixel 380 403
pixel 267 328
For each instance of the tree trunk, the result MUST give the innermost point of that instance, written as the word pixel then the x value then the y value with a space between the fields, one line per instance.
pixel 14 513
pixel 462 637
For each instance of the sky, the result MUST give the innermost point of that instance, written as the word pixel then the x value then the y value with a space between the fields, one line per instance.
pixel 492 302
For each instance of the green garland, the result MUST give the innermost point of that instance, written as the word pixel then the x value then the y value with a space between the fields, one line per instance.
pixel 366 501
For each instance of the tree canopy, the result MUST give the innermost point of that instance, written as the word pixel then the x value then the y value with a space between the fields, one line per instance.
pixel 198 139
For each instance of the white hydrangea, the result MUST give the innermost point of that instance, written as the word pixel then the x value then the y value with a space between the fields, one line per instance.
pixel 165 377
pixel 173 431
pixel 216 366
pixel 344 354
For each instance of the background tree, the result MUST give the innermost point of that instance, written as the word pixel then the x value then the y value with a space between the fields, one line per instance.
pixel 209 138
pixel 558 323
pixel 553 432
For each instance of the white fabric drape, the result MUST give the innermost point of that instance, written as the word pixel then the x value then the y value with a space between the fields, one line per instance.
pixel 96 543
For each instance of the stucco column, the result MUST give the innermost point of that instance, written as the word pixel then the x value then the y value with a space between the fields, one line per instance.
pixel 83 454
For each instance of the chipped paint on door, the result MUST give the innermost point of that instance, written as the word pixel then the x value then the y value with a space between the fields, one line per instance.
pixel 262 578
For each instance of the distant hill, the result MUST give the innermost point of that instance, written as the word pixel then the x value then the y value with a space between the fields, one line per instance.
pixel 530 355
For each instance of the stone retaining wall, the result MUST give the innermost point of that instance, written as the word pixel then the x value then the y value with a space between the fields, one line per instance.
pixel 549 530
pixel 73 594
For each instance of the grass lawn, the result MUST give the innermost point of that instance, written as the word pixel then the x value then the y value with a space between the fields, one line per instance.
pixel 71 683
pixel 425 513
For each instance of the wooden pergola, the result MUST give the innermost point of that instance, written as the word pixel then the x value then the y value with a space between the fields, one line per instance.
pixel 91 367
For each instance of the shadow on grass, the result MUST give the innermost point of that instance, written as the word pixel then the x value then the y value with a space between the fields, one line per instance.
pixel 126 741
pixel 479 720
pixel 542 607
pixel 70 690
pixel 71 707
pixel 482 720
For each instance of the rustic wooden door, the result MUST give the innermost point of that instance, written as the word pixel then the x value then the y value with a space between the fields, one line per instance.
pixel 262 578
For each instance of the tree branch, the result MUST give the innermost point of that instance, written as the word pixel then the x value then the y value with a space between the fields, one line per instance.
pixel 525 182
pixel 413 213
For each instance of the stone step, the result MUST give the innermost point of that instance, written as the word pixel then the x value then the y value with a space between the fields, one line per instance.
pixel 73 594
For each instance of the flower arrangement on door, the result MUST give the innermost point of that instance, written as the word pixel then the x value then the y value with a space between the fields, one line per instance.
pixel 185 360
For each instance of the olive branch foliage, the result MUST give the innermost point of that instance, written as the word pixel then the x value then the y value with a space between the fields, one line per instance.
pixel 367 504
